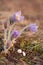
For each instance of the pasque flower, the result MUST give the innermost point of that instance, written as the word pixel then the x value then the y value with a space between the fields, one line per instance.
pixel 15 33
pixel 17 16
pixel 33 27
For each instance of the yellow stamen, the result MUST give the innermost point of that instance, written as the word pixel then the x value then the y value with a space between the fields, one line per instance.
pixel 18 17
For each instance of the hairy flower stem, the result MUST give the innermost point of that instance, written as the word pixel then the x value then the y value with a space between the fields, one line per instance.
pixel 17 37
pixel 7 36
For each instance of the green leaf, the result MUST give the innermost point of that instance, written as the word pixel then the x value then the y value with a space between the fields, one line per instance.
pixel 22 44
pixel 28 45
pixel 37 47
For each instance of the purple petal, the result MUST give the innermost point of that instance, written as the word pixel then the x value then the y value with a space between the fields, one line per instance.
pixel 14 18
pixel 15 33
pixel 21 18
pixel 33 27
pixel 18 13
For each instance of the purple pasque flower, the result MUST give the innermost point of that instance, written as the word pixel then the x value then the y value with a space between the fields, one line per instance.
pixel 17 16
pixel 15 33
pixel 33 27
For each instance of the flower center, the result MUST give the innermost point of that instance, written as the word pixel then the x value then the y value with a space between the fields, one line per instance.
pixel 18 17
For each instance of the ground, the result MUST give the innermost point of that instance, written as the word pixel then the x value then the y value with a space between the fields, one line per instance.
pixel 33 12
